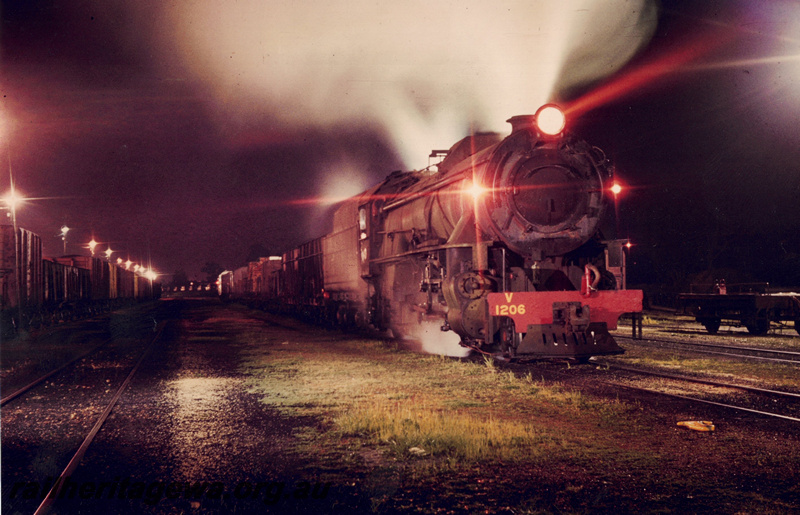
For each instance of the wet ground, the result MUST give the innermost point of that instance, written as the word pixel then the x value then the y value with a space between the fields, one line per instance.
pixel 185 437
pixel 188 436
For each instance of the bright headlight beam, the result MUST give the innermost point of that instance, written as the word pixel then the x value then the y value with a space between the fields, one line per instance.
pixel 550 120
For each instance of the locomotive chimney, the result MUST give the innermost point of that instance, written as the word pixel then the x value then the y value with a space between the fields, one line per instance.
pixel 522 121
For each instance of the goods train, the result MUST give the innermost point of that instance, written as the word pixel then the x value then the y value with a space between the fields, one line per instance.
pixel 752 305
pixel 498 243
pixel 37 290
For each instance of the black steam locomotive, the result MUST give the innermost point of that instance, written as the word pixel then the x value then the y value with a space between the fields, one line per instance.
pixel 498 244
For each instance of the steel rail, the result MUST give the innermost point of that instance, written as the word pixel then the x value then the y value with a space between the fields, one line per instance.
pixel 35 382
pixel 704 401
pixel 710 382
pixel 52 494
pixel 723 350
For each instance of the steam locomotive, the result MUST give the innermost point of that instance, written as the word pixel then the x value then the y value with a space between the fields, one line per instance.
pixel 498 244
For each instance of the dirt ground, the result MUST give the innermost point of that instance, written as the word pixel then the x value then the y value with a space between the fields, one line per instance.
pixel 239 411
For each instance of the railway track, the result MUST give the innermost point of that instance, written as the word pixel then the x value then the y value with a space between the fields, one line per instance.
pixel 781 330
pixel 41 379
pixel 761 403
pixel 773 355
pixel 790 399
pixel 76 392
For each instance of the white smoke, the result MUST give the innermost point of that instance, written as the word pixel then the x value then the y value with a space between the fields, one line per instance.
pixel 427 72
pixel 436 341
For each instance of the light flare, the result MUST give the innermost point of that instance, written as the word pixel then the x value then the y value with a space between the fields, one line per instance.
pixel 744 63
pixel 476 190
pixel 649 74
pixel 13 198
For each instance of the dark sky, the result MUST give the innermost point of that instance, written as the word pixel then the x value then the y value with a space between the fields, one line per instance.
pixel 184 132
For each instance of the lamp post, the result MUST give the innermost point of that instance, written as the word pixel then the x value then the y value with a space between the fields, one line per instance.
pixel 64 231
pixel 108 253
pixel 12 200
pixel 92 246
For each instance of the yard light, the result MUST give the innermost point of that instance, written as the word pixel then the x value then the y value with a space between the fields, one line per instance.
pixel 64 231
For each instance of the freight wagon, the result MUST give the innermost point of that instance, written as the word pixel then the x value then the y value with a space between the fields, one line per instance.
pixel 37 290
pixel 750 305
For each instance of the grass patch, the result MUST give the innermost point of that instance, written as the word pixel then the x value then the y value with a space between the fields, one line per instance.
pixel 456 435
pixel 461 411
pixel 421 433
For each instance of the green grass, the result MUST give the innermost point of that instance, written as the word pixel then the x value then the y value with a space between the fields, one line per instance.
pixel 452 434
pixel 452 409
pixel 421 433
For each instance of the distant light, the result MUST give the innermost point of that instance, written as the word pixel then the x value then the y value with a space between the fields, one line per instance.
pixel 151 275
pixel 136 268
pixel 108 253
pixel 629 244
pixel 12 199
pixel 92 246
pixel 128 264
pixel 119 260
pixel 274 258
pixel 64 231
pixel 550 120
pixel 616 188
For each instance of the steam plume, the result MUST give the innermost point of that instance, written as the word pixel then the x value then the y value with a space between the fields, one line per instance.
pixel 425 72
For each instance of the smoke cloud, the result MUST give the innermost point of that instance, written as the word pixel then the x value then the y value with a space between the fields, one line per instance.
pixel 425 73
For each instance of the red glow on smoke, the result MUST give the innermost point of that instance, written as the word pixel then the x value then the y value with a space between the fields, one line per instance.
pixel 648 73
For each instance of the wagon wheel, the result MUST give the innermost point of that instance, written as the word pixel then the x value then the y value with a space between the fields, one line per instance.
pixel 711 324
pixel 757 326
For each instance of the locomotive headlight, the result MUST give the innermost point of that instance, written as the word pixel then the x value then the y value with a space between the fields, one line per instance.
pixel 550 120
pixel 476 190
pixel 616 188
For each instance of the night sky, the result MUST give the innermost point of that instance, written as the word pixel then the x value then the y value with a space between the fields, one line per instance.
pixel 189 131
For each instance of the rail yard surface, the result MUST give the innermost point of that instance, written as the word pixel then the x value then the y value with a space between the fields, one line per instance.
pixel 236 410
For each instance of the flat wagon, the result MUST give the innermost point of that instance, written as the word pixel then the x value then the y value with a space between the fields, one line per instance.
pixel 753 306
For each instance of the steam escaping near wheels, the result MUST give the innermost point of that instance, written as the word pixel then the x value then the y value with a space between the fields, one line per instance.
pixel 435 341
